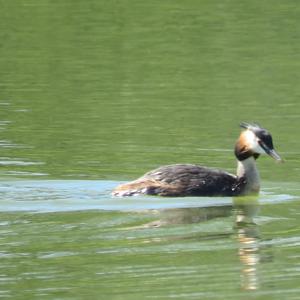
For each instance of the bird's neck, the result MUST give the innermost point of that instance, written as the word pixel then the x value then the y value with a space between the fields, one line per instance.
pixel 247 170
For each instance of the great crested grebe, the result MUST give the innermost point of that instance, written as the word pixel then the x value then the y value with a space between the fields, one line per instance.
pixel 194 180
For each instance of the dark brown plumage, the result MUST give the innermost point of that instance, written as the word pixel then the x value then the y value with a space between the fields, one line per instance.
pixel 184 180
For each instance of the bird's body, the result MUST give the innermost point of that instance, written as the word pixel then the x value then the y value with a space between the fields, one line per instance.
pixel 182 180
pixel 195 180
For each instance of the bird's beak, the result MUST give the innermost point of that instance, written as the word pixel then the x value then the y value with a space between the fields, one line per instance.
pixel 274 154
pixel 271 152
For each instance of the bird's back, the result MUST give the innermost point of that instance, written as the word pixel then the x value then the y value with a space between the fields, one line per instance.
pixel 183 180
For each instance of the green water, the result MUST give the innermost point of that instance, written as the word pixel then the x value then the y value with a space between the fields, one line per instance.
pixel 93 93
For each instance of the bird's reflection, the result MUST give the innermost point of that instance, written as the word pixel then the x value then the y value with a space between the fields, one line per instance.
pixel 191 215
pixel 246 231
pixel 248 236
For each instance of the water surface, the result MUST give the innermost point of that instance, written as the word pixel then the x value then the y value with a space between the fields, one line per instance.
pixel 94 93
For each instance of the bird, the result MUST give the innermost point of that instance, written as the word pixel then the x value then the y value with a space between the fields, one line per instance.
pixel 180 180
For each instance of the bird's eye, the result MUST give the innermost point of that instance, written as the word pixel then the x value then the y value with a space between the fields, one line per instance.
pixel 264 146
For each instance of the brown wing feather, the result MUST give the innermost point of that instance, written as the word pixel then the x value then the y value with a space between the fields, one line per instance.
pixel 182 180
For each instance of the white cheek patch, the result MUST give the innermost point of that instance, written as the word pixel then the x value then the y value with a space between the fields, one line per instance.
pixel 252 142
